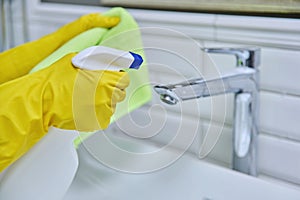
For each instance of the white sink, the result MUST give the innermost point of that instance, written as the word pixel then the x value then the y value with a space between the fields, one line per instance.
pixel 187 178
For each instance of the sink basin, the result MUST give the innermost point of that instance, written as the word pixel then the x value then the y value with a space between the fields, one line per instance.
pixel 187 178
pixel 104 173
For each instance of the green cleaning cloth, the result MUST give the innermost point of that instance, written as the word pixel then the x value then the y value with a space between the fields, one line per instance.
pixel 125 36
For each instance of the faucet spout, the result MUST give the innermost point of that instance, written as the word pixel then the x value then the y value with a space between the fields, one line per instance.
pixel 241 79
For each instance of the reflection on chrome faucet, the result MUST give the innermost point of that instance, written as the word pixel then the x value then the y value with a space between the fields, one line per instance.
pixel 244 83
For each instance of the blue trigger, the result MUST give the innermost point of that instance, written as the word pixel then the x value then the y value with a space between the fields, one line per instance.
pixel 137 62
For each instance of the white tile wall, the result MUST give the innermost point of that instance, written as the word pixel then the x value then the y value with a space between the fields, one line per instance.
pixel 279 70
pixel 262 31
pixel 278 158
pixel 279 141
pixel 280 115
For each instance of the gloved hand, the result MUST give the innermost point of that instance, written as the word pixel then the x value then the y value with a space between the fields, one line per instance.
pixel 20 60
pixel 61 96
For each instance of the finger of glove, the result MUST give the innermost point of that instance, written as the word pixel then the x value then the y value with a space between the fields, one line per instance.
pixel 97 20
pixel 117 95
pixel 119 80
pixel 109 95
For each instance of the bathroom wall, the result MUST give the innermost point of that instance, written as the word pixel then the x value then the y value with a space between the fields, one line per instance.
pixel 279 139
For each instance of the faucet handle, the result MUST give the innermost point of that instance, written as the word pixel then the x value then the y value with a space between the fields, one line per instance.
pixel 245 57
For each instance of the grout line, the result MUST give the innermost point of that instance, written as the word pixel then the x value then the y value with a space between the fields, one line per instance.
pixel 280 93
pixel 215 28
pixel 294 140
pixel 278 180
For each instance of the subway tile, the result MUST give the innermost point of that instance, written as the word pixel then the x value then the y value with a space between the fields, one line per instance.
pixel 280 70
pixel 280 115
pixel 171 54
pixel 216 142
pixel 279 158
pixel 276 32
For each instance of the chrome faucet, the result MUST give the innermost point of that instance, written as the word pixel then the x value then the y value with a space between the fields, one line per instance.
pixel 244 83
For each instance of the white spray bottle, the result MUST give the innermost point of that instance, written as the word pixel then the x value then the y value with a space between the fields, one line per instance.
pixel 105 58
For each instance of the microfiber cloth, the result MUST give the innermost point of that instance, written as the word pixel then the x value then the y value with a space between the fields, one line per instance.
pixel 124 36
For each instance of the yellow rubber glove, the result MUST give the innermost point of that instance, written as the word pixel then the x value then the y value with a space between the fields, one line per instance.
pixel 20 60
pixel 61 96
